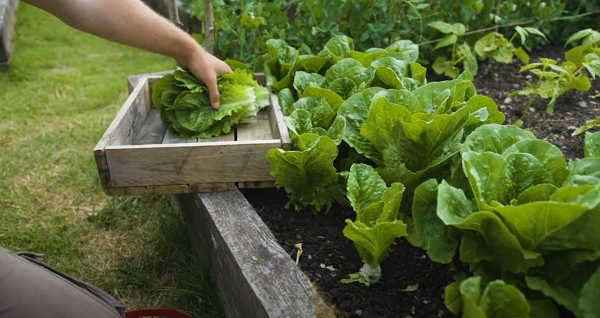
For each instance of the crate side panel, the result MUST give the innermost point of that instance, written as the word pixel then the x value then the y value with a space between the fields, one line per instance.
pixel 256 184
pixel 189 163
pixel 170 189
pixel 129 120
pixel 212 187
pixel 133 80
pixel 278 127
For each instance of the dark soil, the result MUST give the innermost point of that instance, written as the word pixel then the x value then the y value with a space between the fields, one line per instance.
pixel 328 257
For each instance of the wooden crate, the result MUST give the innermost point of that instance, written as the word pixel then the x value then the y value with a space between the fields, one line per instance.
pixel 138 155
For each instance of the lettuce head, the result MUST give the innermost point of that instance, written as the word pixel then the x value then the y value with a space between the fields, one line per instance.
pixel 185 107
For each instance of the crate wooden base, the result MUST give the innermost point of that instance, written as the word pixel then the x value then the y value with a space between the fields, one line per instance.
pixel 138 155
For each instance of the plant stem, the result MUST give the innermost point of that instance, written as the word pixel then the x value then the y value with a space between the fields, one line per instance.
pixel 535 93
pixel 498 3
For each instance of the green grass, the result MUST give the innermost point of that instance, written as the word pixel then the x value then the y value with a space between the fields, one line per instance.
pixel 61 92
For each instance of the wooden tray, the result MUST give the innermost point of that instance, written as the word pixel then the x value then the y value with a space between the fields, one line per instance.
pixel 138 155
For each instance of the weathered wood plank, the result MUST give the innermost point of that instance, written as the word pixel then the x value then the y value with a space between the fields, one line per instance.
pixel 278 127
pixel 133 80
pixel 146 190
pixel 152 131
pixel 170 138
pixel 129 119
pixel 254 275
pixel 189 163
pixel 256 184
pixel 212 187
pixel 255 127
pixel 261 79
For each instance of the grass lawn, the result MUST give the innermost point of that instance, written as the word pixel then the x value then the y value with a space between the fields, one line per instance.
pixel 61 92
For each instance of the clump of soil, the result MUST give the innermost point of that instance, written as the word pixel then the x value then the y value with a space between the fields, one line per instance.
pixel 412 285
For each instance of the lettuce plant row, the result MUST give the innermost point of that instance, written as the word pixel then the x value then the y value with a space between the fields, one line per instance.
pixel 432 162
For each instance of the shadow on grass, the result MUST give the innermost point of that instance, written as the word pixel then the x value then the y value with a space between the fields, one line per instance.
pixel 165 270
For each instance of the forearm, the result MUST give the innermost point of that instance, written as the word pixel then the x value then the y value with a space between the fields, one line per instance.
pixel 132 23
pixel 128 22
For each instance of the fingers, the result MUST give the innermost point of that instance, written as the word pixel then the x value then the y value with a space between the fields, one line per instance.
pixel 213 92
pixel 220 68
pixel 207 68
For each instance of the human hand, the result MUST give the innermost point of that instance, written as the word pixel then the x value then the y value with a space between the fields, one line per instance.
pixel 206 68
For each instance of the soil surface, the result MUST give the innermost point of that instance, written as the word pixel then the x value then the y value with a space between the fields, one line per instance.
pixel 412 285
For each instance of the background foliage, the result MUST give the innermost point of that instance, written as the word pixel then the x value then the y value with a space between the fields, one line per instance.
pixel 242 27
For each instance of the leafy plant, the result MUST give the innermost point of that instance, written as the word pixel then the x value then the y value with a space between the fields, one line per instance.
pixel 459 54
pixel 495 46
pixel 591 145
pixel 185 106
pixel 497 299
pixel 243 27
pixel 376 226
pixel 522 216
pixel 491 46
pixel 311 103
pixel 554 80
pixel 368 109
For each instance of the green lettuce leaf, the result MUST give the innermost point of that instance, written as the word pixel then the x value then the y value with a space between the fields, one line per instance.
pixel 307 172
pixel 185 106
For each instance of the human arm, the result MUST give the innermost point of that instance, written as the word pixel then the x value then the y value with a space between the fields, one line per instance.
pixel 133 23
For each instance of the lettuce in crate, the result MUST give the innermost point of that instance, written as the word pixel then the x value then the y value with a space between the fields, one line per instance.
pixel 185 107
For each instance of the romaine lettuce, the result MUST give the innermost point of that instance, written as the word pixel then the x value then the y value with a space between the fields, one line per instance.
pixel 185 106
pixel 376 226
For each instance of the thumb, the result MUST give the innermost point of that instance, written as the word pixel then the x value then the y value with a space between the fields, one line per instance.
pixel 213 93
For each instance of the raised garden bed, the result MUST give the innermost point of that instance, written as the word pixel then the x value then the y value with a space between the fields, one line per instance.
pixel 251 241
pixel 329 257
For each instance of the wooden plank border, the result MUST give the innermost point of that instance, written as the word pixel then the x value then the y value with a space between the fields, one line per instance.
pixel 255 276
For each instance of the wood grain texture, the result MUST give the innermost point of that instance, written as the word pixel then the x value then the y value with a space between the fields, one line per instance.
pixel 170 189
pixel 212 187
pixel 189 163
pixel 279 128
pixel 152 131
pixel 128 121
pixel 254 274
pixel 133 80
pixel 256 184
pixel 255 127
